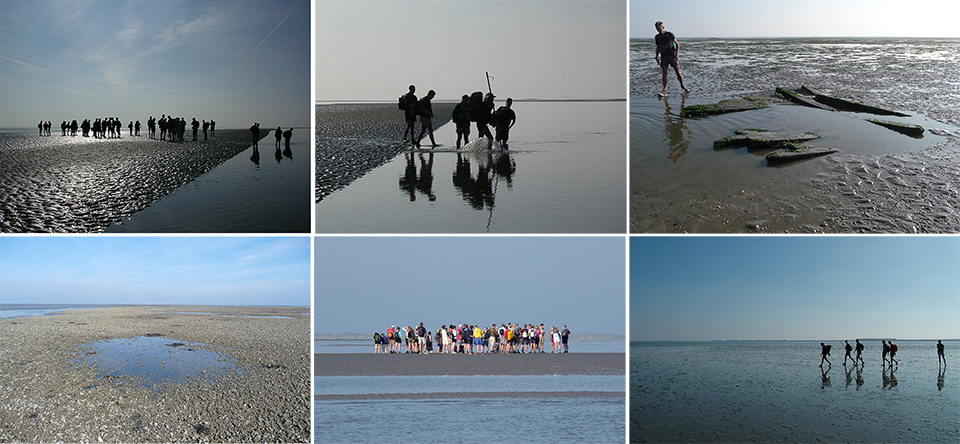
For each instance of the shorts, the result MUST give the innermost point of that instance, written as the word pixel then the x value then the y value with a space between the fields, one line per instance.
pixel 563 339
pixel 477 341
pixel 463 129
pixel 426 121
pixel 503 133
pixel 411 118
pixel 666 62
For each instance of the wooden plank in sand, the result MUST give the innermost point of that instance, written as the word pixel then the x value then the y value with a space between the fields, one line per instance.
pixel 800 152
pixel 915 131
pixel 760 138
pixel 849 105
pixel 722 107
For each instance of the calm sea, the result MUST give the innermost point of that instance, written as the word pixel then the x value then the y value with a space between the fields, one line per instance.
pixel 8 311
pixel 880 181
pixel 564 172
pixel 246 194
pixel 776 391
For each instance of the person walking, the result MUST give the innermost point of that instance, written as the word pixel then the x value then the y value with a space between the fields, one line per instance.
pixel 667 55
pixel 893 352
pixel 848 348
pixel 886 350
pixel 824 351
pixel 426 118
pixel 859 349
pixel 408 103
pixel 940 356
pixel 461 118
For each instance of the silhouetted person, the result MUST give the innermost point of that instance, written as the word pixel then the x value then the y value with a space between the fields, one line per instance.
pixel 278 134
pixel 565 338
pixel 196 126
pixel 163 126
pixel 152 127
pixel 286 137
pixel 461 118
pixel 40 128
pixel 824 351
pixel 483 113
pixel 206 126
pixel 255 130
pixel 893 352
pixel 409 101
pixel 848 348
pixel 426 118
pixel 213 128
pixel 859 349
pixel 136 128
pixel 886 350
pixel 130 127
pixel 504 118
pixel 940 356
pixel 255 157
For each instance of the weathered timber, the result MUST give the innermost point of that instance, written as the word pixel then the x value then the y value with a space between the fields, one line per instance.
pixel 849 105
pixel 754 138
pixel 915 131
pixel 797 153
pixel 723 107
pixel 802 100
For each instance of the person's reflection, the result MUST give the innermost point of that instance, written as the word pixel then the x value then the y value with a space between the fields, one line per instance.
pixel 411 182
pixel 940 375
pixel 824 379
pixel 477 191
pixel 890 381
pixel 849 376
pixel 676 131
pixel 278 155
pixel 255 157
pixel 859 376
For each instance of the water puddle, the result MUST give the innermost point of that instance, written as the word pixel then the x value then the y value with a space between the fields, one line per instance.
pixel 153 360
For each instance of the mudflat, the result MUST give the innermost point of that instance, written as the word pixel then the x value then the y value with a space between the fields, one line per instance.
pixel 402 364
pixel 50 393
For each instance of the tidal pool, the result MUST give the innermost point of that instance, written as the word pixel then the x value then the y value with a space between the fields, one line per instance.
pixel 154 360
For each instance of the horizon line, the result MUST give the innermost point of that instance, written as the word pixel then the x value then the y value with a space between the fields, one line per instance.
pixel 806 37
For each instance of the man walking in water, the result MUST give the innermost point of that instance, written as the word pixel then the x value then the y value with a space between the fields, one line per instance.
pixel 848 348
pixel 426 118
pixel 886 349
pixel 667 55
pixel 859 349
pixel 940 355
pixel 824 351
pixel 409 101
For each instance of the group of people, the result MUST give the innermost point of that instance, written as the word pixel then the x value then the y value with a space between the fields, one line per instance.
pixel 472 339
pixel 475 107
pixel 171 128
pixel 889 348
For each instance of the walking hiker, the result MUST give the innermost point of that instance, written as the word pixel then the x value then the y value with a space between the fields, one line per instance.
pixel 824 351
pixel 426 118
pixel 886 350
pixel 859 349
pixel 408 103
pixel 940 355
pixel 848 349
pixel 461 118
pixel 667 55
pixel 893 352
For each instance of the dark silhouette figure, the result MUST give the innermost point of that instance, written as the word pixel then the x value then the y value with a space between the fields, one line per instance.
pixel 136 127
pixel 940 356
pixel 40 128
pixel 278 134
pixel 893 352
pixel 426 118
pixel 196 126
pixel 286 137
pixel 130 128
pixel 206 126
pixel 859 349
pixel 461 117
pixel 824 351
pixel 255 130
pixel 849 349
pixel 409 105
pixel 504 119
pixel 886 350
pixel 483 113
pixel 255 157
pixel 213 128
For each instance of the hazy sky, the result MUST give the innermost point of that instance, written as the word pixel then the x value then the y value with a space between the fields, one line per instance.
pixel 799 287
pixel 796 18
pixel 231 61
pixel 365 284
pixel 373 50
pixel 155 270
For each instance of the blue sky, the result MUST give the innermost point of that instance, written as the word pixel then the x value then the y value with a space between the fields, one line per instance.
pixel 364 284
pixel 795 18
pixel 795 287
pixel 235 62
pixel 374 49
pixel 155 270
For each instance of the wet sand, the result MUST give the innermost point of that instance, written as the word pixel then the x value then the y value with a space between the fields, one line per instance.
pixel 343 364
pixel 48 396
pixel 468 395
pixel 82 184
pixel 354 139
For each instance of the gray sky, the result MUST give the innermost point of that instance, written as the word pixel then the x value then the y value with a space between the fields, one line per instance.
pixel 373 50
pixel 796 18
pixel 235 62
pixel 194 270
pixel 364 284
pixel 794 287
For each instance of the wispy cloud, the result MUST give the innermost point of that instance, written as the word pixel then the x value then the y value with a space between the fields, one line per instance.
pixel 31 66
pixel 278 25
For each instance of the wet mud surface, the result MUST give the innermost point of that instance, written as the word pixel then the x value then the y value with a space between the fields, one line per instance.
pixel 51 394
pixel 81 184
pixel 882 184
pixel 402 364
pixel 354 139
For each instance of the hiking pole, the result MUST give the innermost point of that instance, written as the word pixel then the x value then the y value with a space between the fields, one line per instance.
pixel 489 89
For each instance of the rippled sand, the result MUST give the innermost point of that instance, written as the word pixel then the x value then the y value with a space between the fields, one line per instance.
pixel 354 139
pixel 82 184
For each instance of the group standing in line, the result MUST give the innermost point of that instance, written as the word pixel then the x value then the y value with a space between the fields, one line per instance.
pixel 171 128
pixel 475 107
pixel 472 339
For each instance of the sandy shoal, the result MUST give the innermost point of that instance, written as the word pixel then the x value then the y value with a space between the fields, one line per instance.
pixel 402 364
pixel 50 396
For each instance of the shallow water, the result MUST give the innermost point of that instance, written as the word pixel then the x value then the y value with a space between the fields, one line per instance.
pixel 354 385
pixel 881 181
pixel 328 346
pixel 564 172
pixel 246 194
pixel 155 360
pixel 9 311
pixel 776 391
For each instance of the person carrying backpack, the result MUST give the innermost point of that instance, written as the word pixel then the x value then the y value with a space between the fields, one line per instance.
pixel 408 103
pixel 461 118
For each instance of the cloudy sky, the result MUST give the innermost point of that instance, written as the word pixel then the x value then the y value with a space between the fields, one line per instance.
pixel 794 287
pixel 231 61
pixel 364 284
pixel 795 18
pixel 193 270
pixel 373 50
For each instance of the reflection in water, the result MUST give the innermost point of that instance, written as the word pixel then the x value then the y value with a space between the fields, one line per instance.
pixel 480 191
pixel 824 379
pixel 255 157
pixel 411 182
pixel 677 133
pixel 890 381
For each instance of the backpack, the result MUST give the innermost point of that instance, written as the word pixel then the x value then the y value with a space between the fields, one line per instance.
pixel 402 104
pixel 476 108
pixel 376 338
pixel 390 334
pixel 893 347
